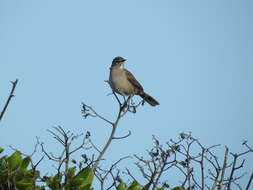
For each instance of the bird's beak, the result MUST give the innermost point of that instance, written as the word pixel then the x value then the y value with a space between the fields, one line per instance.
pixel 124 60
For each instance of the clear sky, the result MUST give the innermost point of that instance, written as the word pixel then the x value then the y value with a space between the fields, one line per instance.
pixel 194 57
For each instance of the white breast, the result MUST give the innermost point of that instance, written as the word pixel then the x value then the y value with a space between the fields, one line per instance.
pixel 119 82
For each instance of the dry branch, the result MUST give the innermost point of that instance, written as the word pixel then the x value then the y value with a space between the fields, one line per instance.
pixel 11 95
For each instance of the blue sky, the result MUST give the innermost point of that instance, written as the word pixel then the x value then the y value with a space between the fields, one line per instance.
pixel 194 57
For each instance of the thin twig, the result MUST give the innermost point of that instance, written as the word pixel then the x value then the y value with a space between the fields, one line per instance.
pixel 223 169
pixel 123 137
pixel 250 180
pixel 94 112
pixel 86 111
pixel 11 95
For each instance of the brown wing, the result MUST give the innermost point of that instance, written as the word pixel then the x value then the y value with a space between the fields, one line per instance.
pixel 133 80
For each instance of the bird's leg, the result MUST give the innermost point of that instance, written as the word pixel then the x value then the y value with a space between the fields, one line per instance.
pixel 131 105
pixel 117 98
pixel 129 98
pixel 125 102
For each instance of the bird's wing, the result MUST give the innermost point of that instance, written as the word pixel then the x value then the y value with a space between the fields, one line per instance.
pixel 133 80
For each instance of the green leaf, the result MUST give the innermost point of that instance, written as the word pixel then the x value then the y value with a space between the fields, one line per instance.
pixel 3 176
pixel 3 163
pixel 24 185
pixel 15 160
pixel 134 186
pixel 178 188
pixel 122 186
pixel 84 177
pixel 25 163
pixel 19 176
pixel 54 182
pixel 71 172
pixel 87 187
pixel 57 178
pixel 36 174
pixel 1 150
pixel 3 169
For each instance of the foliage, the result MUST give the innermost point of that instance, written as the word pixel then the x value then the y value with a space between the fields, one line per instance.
pixel 14 173
pixel 80 181
pixel 199 167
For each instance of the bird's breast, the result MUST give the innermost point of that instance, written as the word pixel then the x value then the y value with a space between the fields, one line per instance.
pixel 120 83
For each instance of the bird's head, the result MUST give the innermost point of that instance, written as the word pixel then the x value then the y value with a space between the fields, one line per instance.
pixel 118 61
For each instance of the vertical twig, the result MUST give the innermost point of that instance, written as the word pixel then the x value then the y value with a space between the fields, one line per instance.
pixel 232 171
pixel 11 95
pixel 111 137
pixel 223 169
pixel 123 109
pixel 202 169
pixel 250 180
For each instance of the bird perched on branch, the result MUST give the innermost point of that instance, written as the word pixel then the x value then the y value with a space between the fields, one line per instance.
pixel 123 82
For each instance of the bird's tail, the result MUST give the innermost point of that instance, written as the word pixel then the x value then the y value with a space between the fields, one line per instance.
pixel 149 99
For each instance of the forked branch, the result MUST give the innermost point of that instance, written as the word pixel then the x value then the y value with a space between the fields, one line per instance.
pixel 126 106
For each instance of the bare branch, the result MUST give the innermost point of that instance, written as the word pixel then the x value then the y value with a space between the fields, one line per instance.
pixel 93 113
pixel 11 95
pixel 123 109
pixel 250 180
pixel 123 137
pixel 223 169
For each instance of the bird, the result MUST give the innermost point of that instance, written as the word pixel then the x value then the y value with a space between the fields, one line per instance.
pixel 124 83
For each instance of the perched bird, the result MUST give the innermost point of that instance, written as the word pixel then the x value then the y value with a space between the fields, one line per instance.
pixel 123 82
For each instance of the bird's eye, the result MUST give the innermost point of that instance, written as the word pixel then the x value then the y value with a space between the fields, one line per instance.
pixel 114 63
